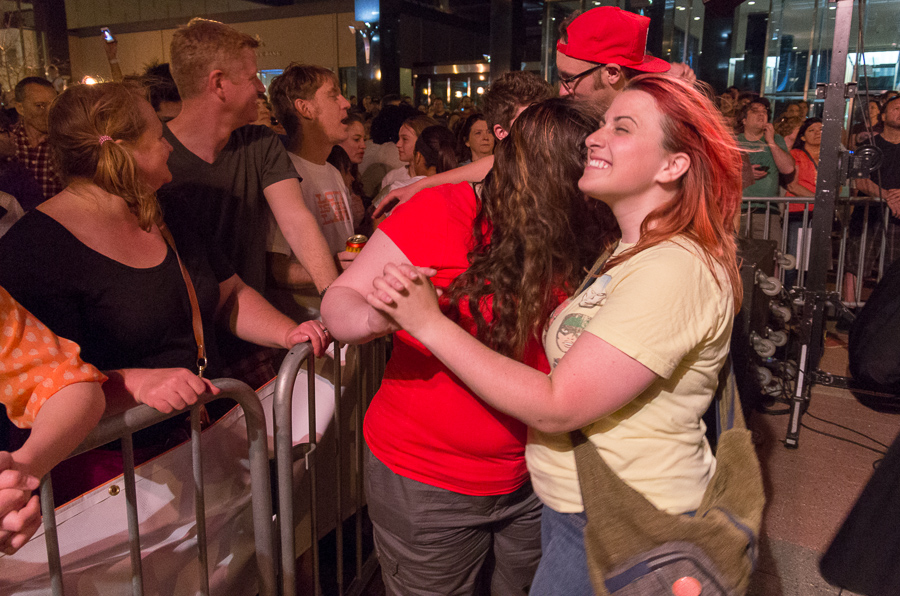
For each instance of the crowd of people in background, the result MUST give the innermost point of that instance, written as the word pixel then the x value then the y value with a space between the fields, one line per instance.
pixel 259 190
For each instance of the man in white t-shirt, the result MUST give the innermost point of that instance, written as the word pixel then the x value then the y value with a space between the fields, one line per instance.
pixel 308 102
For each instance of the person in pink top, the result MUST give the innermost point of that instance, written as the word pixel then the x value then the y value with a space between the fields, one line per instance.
pixel 446 481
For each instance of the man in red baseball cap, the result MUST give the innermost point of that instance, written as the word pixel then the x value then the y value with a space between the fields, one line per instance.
pixel 599 50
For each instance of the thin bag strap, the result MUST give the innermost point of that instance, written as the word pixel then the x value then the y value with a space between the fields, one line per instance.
pixel 195 305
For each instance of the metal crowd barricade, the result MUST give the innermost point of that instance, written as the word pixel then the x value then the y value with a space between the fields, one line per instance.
pixel 367 379
pixel 123 426
pixel 772 212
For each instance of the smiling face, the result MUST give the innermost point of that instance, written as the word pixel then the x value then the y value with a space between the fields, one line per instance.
pixel 407 143
pixel 242 88
pixel 480 140
pixel 151 151
pixel 355 145
pixel 626 153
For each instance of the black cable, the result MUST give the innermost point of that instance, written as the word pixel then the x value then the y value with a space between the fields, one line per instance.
pixel 847 428
pixel 839 438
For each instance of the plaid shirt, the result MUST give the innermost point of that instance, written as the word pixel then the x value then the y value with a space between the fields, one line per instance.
pixel 37 161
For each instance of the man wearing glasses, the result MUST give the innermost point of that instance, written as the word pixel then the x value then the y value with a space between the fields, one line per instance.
pixel 599 50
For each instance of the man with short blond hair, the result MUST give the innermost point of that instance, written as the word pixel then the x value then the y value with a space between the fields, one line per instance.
pixel 201 47
pixel 229 176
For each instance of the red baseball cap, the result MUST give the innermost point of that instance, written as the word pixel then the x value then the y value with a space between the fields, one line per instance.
pixel 608 34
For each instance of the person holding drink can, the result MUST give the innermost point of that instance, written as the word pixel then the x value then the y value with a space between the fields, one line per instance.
pixel 446 482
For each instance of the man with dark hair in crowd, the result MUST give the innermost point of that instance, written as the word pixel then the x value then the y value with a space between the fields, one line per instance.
pixel 162 91
pixel 308 102
pixel 232 177
pixel 769 156
pixel 438 112
pixel 885 181
pixel 33 98
pixel 509 95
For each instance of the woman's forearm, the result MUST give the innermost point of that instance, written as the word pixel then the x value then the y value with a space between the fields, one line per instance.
pixel 349 317
pixel 60 426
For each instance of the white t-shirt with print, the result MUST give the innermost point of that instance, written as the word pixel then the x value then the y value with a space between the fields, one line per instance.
pixel 663 308
pixel 327 197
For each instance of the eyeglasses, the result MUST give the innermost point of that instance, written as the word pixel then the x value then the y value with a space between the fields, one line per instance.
pixel 570 82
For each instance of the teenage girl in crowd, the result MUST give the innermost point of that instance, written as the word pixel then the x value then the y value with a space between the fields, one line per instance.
pixel 409 132
pixel 93 265
pixel 435 151
pixel 654 324
pixel 446 481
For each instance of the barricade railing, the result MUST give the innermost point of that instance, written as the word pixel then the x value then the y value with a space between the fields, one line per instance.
pixel 762 217
pixel 368 375
pixel 123 426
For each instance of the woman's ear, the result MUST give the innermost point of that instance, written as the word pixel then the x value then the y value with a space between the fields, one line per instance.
pixel 675 167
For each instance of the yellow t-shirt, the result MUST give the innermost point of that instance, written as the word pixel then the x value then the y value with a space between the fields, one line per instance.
pixel 663 308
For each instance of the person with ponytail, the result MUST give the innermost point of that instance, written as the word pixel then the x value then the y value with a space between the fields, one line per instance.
pixel 93 263
pixel 434 151
pixel 637 352
pixel 446 482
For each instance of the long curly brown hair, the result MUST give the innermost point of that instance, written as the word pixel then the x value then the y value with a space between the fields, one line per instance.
pixel 535 233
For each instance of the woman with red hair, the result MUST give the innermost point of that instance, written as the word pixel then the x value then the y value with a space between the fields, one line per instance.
pixel 636 353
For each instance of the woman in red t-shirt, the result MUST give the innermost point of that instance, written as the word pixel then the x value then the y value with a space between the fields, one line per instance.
pixel 805 152
pixel 446 482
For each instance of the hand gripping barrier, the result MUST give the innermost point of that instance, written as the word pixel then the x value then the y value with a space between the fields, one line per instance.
pixel 122 427
pixel 367 378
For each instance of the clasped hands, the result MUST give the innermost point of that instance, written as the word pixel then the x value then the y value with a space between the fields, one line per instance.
pixel 405 295
pixel 20 513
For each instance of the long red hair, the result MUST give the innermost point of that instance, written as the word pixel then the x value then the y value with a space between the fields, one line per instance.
pixel 710 191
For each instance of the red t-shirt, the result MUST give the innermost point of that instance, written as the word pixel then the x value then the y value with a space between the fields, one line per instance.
pixel 424 423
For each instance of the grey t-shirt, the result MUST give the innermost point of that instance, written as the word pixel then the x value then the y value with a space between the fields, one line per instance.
pixel 226 197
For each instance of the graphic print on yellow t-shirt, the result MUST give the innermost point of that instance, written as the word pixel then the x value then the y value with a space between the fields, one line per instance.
pixel 574 324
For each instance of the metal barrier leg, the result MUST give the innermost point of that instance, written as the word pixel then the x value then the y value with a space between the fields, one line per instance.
pixel 134 533
pixel 284 460
pixel 339 468
pixel 51 538
pixel 199 499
